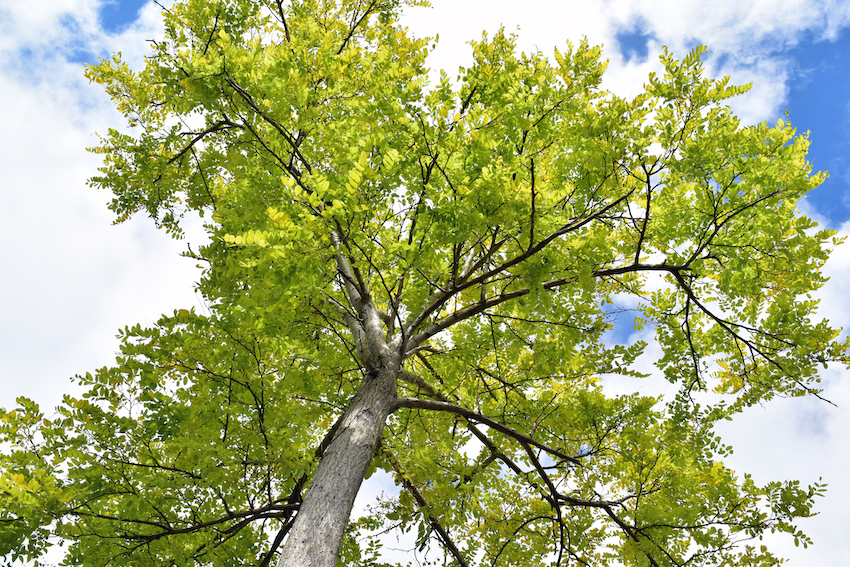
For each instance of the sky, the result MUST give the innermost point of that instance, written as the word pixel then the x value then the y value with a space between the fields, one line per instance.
pixel 70 279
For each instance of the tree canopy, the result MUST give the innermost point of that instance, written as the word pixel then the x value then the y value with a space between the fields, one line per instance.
pixel 422 277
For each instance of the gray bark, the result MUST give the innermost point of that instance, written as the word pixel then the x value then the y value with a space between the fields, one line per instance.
pixel 319 526
pixel 317 532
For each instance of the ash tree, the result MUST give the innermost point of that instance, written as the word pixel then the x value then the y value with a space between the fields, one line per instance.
pixel 422 278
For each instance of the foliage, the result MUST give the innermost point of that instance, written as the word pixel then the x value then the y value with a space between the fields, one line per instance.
pixel 498 226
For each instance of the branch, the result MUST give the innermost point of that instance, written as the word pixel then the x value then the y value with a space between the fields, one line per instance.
pixel 275 544
pixel 220 125
pixel 524 440
pixel 418 381
pixel 719 225
pixel 475 309
pixel 638 267
pixel 434 306
pixel 283 19
pixel 270 511
pixel 533 208
pixel 462 314
pixel 355 26
pixel 495 453
pixel 349 279
pixel 281 130
pixel 212 33
pixel 554 498
pixel 645 215
pixel 423 507
pixel 415 403
pixel 724 324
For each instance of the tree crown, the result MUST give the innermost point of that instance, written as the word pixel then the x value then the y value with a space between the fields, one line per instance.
pixel 483 237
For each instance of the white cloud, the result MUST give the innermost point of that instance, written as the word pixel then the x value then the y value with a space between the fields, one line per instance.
pixel 745 39
pixel 804 439
pixel 807 438
pixel 833 296
pixel 539 24
pixel 745 28
pixel 45 23
pixel 71 279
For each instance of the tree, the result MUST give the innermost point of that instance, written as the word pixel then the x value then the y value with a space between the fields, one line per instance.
pixel 423 279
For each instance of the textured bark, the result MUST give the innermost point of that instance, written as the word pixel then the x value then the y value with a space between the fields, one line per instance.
pixel 317 532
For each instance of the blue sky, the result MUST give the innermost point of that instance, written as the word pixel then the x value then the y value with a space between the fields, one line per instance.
pixel 71 280
pixel 119 14
pixel 817 101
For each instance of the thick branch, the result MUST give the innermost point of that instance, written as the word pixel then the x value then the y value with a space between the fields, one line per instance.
pixel 460 315
pixel 419 382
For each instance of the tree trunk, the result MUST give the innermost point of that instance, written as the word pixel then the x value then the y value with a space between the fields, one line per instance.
pixel 317 532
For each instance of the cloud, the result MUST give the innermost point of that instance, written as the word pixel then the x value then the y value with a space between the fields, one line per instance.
pixel 71 279
pixel 42 24
pixel 746 39
pixel 833 296
pixel 746 28
pixel 807 438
